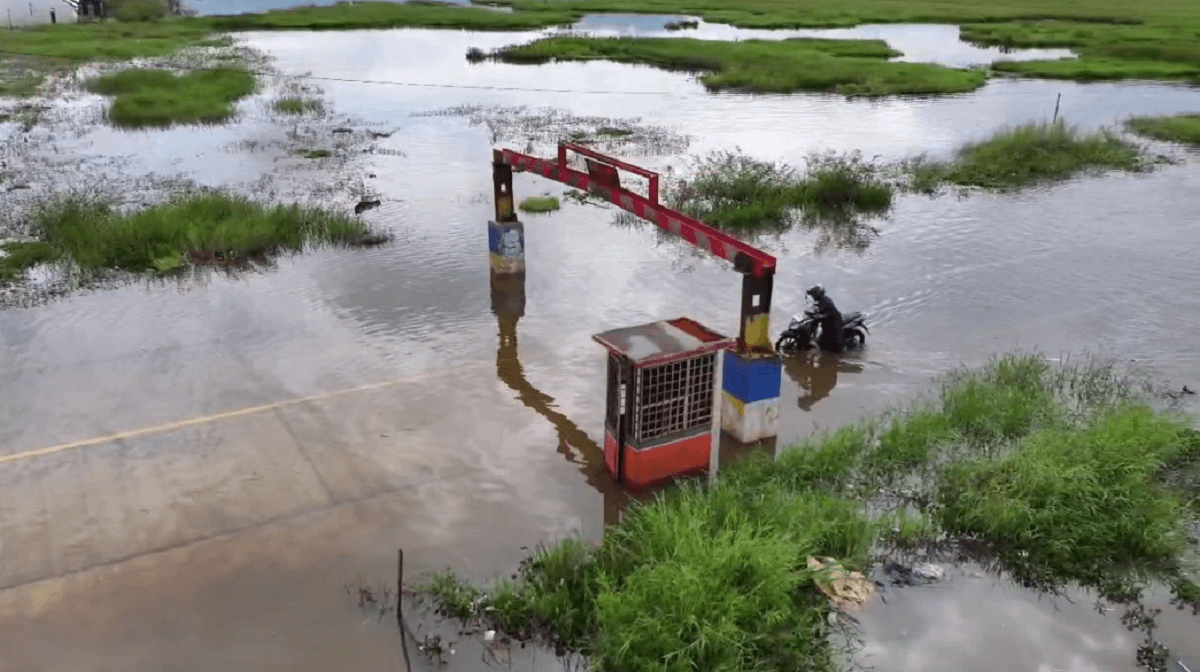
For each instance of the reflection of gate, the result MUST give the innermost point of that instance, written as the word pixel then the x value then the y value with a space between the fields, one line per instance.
pixel 662 384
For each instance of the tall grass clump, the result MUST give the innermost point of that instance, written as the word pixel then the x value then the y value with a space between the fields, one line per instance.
pixel 160 98
pixel 1031 154
pixel 1184 128
pixel 1056 476
pixel 733 563
pixel 199 228
pixel 731 190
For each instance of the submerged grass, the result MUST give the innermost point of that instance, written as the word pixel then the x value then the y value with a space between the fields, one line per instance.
pixel 197 229
pixel 1056 475
pixel 160 98
pixel 1031 154
pixel 850 67
pixel 1183 128
pixel 298 105
pixel 734 191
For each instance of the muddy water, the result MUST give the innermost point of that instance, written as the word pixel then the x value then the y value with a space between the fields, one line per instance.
pixel 225 541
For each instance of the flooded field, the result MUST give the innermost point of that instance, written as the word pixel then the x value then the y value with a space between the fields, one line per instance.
pixel 466 415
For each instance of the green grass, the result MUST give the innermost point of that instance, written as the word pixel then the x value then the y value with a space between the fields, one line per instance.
pixel 1167 51
pixel 822 14
pixel 734 191
pixel 1183 128
pixel 159 98
pixel 733 563
pixel 1059 475
pixel 540 204
pixel 393 15
pixel 296 105
pixel 314 153
pixel 1031 154
pixel 197 229
pixel 849 67
pixel 129 11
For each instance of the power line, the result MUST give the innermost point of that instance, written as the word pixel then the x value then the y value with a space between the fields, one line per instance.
pixel 265 73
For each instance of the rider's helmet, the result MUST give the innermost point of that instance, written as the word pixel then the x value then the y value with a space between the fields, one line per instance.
pixel 816 292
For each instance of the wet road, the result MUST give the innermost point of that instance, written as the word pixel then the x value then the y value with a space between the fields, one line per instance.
pixel 223 543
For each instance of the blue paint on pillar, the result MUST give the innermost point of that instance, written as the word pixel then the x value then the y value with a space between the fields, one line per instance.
pixel 752 379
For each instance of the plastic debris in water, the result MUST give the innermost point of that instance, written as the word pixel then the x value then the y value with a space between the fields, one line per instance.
pixel 844 589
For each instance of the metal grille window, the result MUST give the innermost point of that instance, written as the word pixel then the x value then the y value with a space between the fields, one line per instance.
pixel 674 397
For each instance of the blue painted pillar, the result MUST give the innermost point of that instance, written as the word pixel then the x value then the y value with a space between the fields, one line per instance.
pixel 506 236
pixel 506 244
pixel 750 398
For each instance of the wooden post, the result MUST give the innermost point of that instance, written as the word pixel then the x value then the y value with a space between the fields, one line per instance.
pixel 503 184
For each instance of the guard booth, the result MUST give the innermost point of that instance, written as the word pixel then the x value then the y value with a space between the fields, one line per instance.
pixel 662 413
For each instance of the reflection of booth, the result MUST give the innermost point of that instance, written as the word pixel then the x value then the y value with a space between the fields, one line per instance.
pixel 661 418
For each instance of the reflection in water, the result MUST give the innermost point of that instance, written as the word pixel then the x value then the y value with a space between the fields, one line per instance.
pixel 508 304
pixel 816 373
pixel 838 230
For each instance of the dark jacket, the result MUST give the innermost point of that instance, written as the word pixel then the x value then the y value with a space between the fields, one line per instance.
pixel 831 323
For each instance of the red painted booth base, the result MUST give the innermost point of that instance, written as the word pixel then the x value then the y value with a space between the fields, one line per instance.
pixel 646 467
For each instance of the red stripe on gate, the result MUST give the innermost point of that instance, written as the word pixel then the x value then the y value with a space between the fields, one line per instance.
pixel 694 231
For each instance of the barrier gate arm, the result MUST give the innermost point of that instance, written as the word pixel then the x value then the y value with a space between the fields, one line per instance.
pixel 757 267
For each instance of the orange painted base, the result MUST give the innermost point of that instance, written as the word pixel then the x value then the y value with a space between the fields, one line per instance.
pixel 650 466
pixel 610 452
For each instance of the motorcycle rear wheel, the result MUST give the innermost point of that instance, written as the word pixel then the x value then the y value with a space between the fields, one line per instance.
pixel 857 338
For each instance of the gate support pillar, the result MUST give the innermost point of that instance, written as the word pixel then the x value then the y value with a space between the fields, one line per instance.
pixel 506 235
pixel 753 375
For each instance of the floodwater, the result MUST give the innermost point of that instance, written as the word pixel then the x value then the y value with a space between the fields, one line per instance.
pixel 223 537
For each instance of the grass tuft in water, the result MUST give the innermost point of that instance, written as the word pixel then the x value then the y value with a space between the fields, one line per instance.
pixel 734 191
pixel 199 229
pixel 1183 128
pixel 850 67
pixel 159 98
pixel 297 105
pixel 540 204
pixel 1057 475
pixel 1032 154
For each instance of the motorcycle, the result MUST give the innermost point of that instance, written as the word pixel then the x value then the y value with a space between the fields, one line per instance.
pixel 801 334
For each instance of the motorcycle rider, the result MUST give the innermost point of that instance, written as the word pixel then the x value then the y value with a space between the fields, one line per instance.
pixel 830 338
